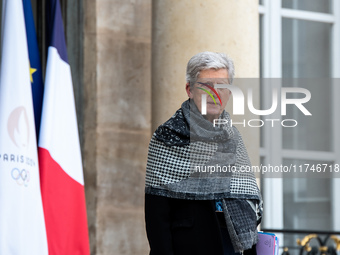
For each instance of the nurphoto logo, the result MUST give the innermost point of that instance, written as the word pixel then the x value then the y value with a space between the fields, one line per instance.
pixel 239 99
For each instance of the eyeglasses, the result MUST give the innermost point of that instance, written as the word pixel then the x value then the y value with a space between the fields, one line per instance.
pixel 211 86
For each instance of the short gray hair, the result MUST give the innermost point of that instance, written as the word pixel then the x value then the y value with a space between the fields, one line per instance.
pixel 209 60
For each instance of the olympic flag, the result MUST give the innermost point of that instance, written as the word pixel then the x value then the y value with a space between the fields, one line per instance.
pixel 22 227
pixel 61 171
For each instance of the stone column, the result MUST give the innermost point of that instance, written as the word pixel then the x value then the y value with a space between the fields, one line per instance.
pixel 89 113
pixel 181 29
pixel 122 96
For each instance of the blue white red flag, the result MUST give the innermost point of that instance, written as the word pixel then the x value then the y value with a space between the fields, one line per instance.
pixel 61 171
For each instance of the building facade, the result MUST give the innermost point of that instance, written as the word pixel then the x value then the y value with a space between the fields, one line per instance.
pixel 128 61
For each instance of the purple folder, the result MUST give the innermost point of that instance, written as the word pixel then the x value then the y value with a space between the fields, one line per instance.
pixel 267 244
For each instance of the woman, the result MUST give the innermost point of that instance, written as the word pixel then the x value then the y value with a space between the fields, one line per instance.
pixel 197 201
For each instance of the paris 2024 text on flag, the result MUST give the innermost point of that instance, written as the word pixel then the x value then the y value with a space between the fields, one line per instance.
pixel 22 225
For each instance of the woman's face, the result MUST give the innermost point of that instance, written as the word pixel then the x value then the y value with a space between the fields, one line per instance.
pixel 205 82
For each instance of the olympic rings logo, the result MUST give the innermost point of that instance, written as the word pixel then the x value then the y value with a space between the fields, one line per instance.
pixel 21 177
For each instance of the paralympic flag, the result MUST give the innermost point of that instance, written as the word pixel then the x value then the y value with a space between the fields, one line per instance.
pixel 22 225
pixel 35 65
pixel 61 172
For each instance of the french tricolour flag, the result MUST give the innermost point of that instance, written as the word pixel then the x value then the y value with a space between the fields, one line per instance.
pixel 61 172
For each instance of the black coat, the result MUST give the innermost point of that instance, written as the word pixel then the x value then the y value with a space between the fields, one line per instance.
pixel 183 227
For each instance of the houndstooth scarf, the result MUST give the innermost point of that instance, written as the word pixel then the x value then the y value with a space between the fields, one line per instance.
pixel 189 158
